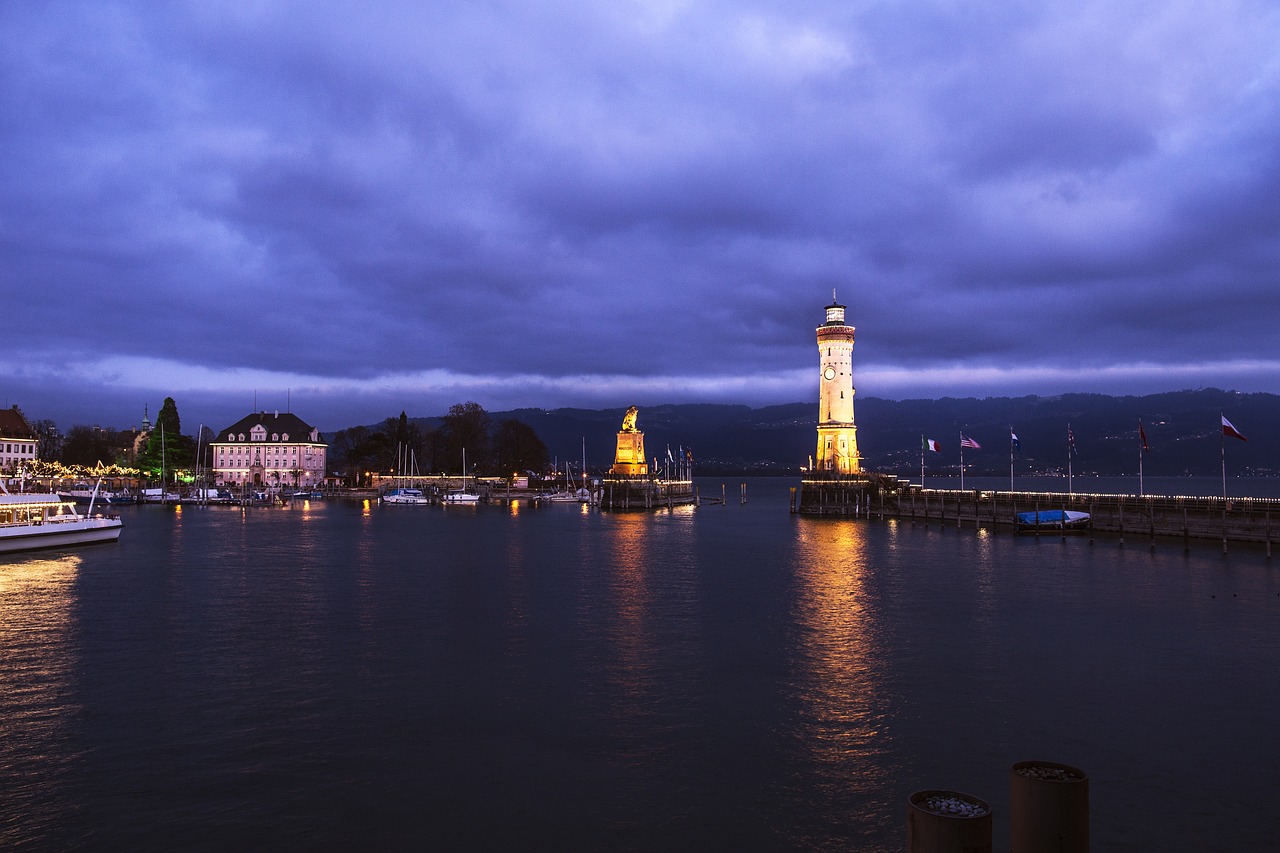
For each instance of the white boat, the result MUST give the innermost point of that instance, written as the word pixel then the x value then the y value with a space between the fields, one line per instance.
pixel 576 496
pixel 82 493
pixel 463 495
pixel 405 496
pixel 32 521
pixel 580 495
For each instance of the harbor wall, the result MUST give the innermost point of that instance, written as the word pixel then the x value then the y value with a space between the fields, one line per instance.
pixel 627 493
pixel 1201 518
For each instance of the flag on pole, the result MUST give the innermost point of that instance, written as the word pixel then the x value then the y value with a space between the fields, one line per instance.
pixel 1013 439
pixel 1228 429
pixel 1142 436
pixel 965 441
pixel 933 445
pixel 1071 441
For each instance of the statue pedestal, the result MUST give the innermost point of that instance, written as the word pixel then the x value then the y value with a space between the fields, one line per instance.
pixel 628 461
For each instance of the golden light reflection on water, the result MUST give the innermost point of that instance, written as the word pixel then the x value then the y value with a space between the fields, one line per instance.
pixel 837 677
pixel 645 622
pixel 37 659
pixel 626 557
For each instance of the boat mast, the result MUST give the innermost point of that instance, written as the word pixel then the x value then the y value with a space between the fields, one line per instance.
pixel 163 487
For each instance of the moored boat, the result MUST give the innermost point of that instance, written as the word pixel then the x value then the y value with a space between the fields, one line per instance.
pixel 159 496
pixel 577 496
pixel 413 497
pixel 83 493
pixel 33 521
pixel 1051 520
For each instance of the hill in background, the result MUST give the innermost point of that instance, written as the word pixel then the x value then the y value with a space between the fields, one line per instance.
pixel 1182 428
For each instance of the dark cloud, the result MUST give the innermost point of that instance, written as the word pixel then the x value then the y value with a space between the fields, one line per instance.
pixel 364 209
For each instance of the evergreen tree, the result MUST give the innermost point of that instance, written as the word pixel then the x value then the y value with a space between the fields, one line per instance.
pixel 166 446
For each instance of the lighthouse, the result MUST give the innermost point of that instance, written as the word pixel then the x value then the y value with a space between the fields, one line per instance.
pixel 837 434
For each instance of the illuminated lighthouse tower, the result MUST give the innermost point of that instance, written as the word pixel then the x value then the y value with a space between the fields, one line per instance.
pixel 837 435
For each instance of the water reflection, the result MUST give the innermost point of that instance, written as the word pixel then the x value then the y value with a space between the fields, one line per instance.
pixel 38 657
pixel 647 623
pixel 840 732
pixel 627 559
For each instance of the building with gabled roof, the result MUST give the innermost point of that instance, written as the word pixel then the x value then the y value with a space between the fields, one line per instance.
pixel 268 449
pixel 19 443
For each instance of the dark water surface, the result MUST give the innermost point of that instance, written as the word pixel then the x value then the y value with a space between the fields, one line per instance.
pixel 337 676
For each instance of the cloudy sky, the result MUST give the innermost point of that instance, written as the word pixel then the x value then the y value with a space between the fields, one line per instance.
pixel 353 209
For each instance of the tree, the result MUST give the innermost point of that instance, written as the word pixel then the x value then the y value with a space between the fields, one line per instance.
pixel 404 442
pixel 88 446
pixel 466 427
pixel 166 446
pixel 518 448
pixel 48 441
pixel 356 451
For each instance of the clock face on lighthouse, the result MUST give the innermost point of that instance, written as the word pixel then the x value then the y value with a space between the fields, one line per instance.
pixel 829 373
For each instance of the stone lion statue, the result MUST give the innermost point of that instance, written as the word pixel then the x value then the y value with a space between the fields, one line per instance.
pixel 629 420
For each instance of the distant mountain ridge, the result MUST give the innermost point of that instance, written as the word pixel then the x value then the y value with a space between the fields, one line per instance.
pixel 1182 428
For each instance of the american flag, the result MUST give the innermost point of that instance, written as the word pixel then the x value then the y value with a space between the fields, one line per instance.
pixel 965 441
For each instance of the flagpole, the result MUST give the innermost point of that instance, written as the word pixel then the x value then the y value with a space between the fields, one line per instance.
pixel 1069 490
pixel 1141 452
pixel 1011 458
pixel 1222 439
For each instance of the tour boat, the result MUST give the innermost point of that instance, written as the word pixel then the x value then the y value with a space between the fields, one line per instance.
pixel 1051 520
pixel 32 521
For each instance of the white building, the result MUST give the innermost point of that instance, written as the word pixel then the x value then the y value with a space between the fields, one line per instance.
pixel 19 444
pixel 268 449
pixel 837 432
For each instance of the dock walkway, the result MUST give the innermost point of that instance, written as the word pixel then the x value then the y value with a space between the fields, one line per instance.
pixel 1186 517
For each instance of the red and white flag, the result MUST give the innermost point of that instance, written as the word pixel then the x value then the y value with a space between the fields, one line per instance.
pixel 1228 429
pixel 965 441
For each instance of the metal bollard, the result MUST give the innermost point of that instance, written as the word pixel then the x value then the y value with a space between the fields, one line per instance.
pixel 947 822
pixel 1048 808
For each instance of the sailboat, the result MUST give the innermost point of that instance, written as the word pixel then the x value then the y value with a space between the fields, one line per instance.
pixel 463 495
pixel 407 464
pixel 580 495
pixel 160 496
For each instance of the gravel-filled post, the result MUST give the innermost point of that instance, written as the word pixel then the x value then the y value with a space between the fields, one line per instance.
pixel 1048 808
pixel 948 822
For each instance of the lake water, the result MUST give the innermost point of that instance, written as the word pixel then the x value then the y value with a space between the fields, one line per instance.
pixel 342 676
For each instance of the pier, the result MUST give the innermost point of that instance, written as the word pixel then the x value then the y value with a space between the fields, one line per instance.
pixel 645 492
pixel 1129 517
